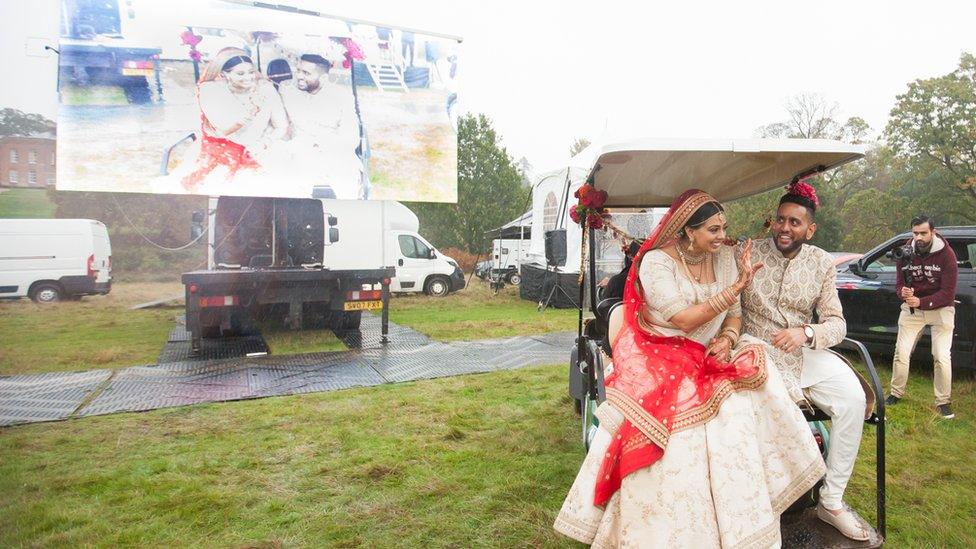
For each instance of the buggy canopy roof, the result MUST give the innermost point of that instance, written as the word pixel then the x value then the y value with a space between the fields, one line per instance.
pixel 653 172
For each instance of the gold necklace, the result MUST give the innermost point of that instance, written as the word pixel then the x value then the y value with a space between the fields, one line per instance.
pixel 689 258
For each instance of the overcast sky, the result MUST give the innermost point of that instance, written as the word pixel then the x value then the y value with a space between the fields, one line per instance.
pixel 547 72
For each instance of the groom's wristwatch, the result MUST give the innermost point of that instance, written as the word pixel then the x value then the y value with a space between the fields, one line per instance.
pixel 808 331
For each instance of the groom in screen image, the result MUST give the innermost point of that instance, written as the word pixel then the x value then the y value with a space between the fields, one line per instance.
pixel 325 128
pixel 778 309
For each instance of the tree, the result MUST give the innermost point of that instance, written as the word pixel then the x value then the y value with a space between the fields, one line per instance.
pixel 490 191
pixel 932 128
pixel 811 116
pixel 578 146
pixel 871 216
pixel 15 122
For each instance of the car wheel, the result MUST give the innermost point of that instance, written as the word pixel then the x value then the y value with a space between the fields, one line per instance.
pixel 514 279
pixel 47 293
pixel 437 286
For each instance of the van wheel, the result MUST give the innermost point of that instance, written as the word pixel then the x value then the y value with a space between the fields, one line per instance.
pixel 437 286
pixel 47 293
pixel 514 279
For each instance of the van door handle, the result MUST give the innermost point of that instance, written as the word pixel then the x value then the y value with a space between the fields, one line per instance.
pixel 400 262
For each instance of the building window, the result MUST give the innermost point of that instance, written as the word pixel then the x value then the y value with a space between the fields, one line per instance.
pixel 13 156
pixel 32 176
pixel 550 212
pixel 52 159
pixel 50 179
pixel 32 157
pixel 13 177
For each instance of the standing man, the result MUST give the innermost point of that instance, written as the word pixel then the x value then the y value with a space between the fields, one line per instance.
pixel 325 127
pixel 778 308
pixel 929 294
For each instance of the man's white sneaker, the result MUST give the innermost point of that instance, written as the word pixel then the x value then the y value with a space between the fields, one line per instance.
pixel 845 523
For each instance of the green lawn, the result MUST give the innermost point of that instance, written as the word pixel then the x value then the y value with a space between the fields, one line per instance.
pixel 481 460
pixel 95 332
pixel 474 313
pixel 29 203
pixel 102 331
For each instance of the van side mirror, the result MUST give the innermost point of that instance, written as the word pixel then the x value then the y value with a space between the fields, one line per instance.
pixel 431 254
pixel 333 235
pixel 333 221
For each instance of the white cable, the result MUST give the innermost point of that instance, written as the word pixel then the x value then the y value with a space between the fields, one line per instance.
pixel 147 239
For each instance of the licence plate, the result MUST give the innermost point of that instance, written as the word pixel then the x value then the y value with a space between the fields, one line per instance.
pixel 362 305
pixel 137 72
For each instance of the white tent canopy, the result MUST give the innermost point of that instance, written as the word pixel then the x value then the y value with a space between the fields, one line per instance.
pixel 552 195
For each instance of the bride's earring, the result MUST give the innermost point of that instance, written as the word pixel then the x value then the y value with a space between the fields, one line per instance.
pixel 691 244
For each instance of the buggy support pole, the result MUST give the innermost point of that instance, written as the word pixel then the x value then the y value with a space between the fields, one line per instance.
pixel 879 421
pixel 580 356
pixel 385 330
pixel 592 268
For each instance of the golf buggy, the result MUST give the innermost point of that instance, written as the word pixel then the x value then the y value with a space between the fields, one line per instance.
pixel 646 174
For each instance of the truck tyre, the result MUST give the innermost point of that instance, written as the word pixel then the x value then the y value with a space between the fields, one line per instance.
pixel 47 292
pixel 437 286
pixel 514 279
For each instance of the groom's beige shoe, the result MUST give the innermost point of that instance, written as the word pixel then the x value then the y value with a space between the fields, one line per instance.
pixel 846 523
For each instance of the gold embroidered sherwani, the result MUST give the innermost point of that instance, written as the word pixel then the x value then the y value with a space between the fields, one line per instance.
pixel 784 294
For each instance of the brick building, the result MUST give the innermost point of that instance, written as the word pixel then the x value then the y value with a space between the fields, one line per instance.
pixel 27 161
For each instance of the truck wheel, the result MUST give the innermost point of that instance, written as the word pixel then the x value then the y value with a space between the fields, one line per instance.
pixel 47 292
pixel 514 279
pixel 437 286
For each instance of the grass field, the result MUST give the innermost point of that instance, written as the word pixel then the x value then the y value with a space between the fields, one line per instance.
pixel 25 203
pixel 474 313
pixel 102 331
pixel 472 461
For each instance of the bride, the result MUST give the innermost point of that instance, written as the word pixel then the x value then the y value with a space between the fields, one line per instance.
pixel 699 443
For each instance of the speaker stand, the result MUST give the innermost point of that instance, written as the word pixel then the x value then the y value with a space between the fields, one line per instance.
pixel 544 304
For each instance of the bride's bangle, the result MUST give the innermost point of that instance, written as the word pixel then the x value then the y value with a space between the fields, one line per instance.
pixel 722 300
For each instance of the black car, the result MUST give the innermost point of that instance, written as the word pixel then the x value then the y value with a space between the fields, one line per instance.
pixel 871 306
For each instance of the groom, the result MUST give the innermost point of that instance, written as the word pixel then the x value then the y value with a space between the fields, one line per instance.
pixel 778 308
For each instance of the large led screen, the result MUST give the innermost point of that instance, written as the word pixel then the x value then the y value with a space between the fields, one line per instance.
pixel 223 98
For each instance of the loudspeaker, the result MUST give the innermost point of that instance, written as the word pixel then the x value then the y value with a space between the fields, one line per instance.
pixel 556 248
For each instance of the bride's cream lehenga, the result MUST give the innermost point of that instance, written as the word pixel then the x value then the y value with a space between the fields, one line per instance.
pixel 720 483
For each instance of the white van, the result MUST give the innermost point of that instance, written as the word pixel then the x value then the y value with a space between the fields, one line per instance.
pixel 53 259
pixel 375 233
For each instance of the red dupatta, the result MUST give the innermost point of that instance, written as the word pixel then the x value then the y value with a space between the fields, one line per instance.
pixel 664 384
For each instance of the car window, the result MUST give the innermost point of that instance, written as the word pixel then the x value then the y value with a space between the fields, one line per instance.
pixel 407 247
pixel 965 252
pixel 413 248
pixel 883 263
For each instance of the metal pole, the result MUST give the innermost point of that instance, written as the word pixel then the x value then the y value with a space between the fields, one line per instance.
pixel 592 266
pixel 385 330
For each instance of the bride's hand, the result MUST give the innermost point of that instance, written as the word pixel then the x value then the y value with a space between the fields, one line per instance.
pixel 747 271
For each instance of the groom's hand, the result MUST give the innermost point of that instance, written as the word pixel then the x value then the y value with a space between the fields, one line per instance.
pixel 721 347
pixel 789 340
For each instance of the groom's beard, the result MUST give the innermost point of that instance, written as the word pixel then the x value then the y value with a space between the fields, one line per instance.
pixel 788 249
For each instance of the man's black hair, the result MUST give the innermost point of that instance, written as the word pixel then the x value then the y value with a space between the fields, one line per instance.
pixel 317 59
pixel 920 219
pixel 807 204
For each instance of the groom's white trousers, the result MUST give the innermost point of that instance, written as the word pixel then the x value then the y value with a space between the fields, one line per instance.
pixel 830 384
